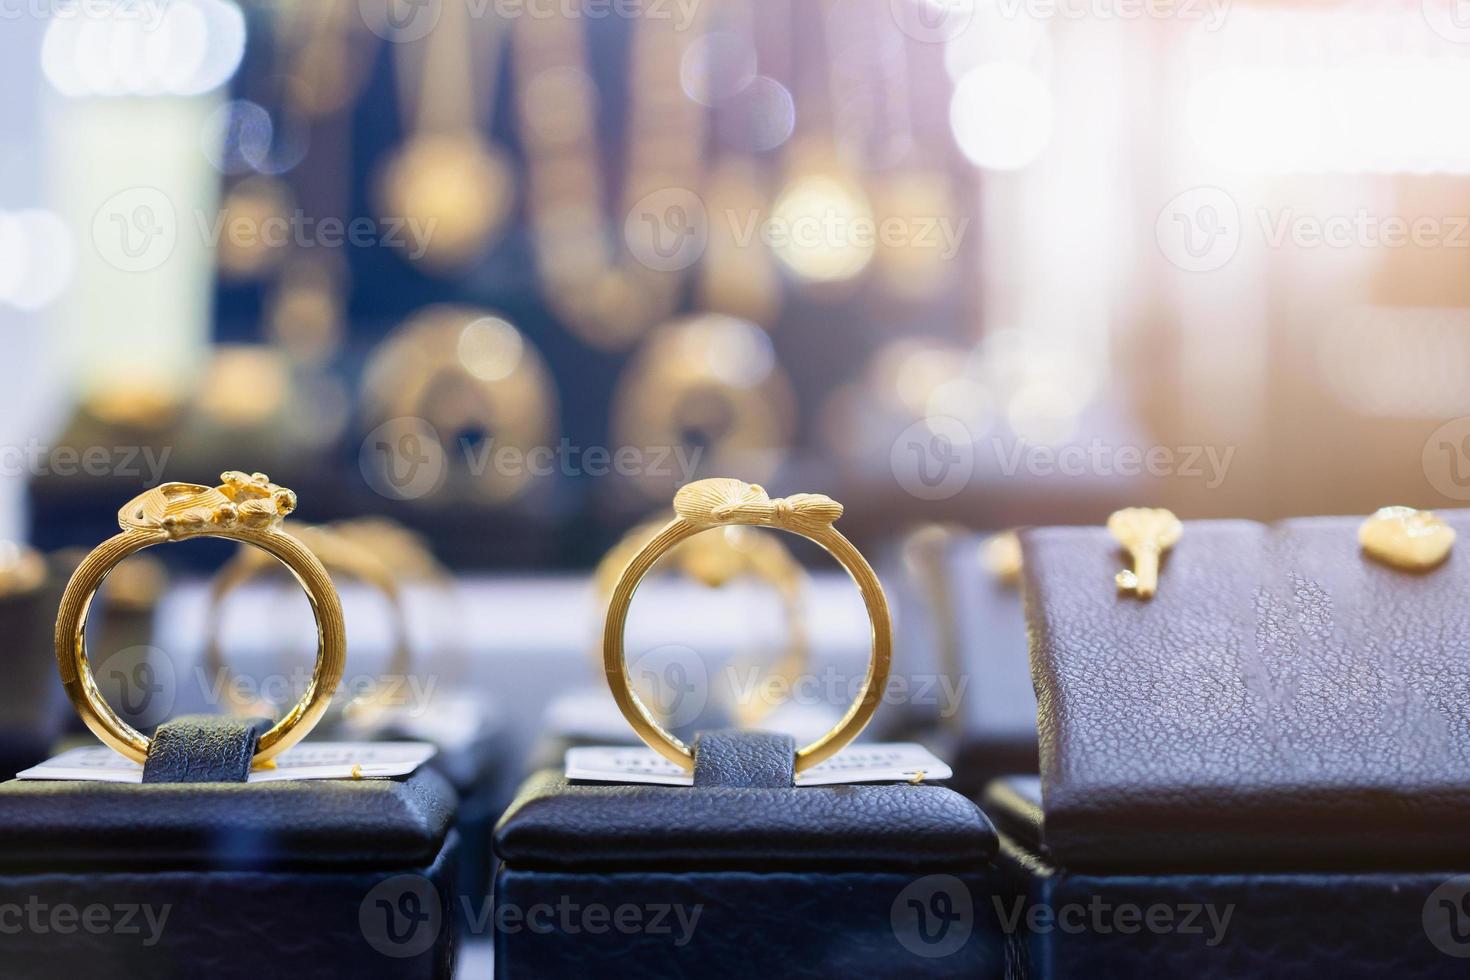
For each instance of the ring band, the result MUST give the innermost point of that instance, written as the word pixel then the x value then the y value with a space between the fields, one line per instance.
pixel 337 553
pixel 724 502
pixel 245 507
pixel 716 559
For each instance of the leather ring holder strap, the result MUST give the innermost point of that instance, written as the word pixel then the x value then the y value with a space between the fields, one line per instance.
pixel 228 878
pixel 744 873
pixel 1280 731
pixel 203 749
pixel 956 621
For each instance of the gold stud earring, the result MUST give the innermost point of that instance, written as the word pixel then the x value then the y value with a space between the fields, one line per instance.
pixel 1414 540
pixel 1146 533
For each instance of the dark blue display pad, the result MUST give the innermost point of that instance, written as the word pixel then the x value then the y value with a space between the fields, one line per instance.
pixel 321 878
pixel 729 881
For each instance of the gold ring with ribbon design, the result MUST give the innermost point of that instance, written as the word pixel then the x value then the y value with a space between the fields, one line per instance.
pixel 247 508
pixel 715 558
pixel 339 554
pixel 714 503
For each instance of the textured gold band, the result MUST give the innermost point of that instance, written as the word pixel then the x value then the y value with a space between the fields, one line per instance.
pixel 247 508
pixel 715 503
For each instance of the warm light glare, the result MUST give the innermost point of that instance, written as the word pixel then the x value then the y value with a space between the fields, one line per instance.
pixel 1331 92
pixel 1001 115
pixel 820 227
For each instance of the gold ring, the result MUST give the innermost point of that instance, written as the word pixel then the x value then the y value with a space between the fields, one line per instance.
pixel 723 502
pixel 337 553
pixel 715 559
pixel 245 507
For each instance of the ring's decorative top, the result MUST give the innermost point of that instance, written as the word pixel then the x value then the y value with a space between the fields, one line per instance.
pixel 184 509
pixel 727 501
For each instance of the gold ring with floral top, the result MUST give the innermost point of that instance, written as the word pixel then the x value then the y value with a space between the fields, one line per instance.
pixel 244 507
pixel 721 503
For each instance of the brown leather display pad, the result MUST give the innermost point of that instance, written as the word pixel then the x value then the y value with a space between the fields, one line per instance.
pixel 1283 702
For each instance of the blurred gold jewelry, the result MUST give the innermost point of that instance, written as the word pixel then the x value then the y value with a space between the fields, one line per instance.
pixel 721 502
pixel 708 384
pixel 447 173
pixel 338 554
pixel 1146 533
pixel 925 555
pixel 1000 554
pixel 586 277
pixel 246 508
pixel 22 569
pixel 465 370
pixel 1414 540
pixel 716 558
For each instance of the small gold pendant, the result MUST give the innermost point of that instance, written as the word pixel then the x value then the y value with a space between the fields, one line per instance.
pixel 1146 533
pixel 1414 540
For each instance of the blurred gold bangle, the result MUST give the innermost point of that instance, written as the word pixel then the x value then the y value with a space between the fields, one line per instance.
pixel 247 508
pixel 722 502
pixel 716 559
pixel 337 554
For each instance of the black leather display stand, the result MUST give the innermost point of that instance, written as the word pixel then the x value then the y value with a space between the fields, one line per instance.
pixel 956 622
pixel 1280 734
pixel 744 874
pixel 188 875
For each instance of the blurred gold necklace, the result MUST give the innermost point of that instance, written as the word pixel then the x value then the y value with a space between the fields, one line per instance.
pixel 447 173
pixel 607 300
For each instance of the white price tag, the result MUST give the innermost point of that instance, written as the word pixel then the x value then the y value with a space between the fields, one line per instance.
pixel 895 762
pixel 311 760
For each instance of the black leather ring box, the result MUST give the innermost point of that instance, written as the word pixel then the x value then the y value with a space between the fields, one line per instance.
pixel 319 878
pixel 1271 758
pixel 743 874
